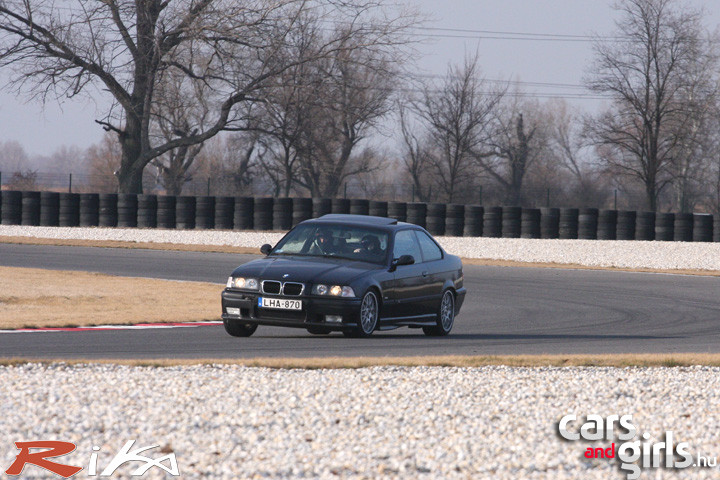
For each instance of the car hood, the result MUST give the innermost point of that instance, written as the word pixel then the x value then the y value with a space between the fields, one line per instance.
pixel 306 269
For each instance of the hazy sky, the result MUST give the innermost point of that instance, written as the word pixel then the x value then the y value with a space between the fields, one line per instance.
pixel 540 59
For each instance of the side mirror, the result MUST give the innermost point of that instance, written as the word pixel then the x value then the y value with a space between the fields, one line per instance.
pixel 405 260
pixel 265 249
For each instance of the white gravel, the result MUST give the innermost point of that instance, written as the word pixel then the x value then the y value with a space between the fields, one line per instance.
pixel 232 422
pixel 596 253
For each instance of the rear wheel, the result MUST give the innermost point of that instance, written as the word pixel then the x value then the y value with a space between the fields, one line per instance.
pixel 445 316
pixel 237 328
pixel 318 330
pixel 369 314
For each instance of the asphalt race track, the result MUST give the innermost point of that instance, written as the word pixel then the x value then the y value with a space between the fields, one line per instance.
pixel 507 311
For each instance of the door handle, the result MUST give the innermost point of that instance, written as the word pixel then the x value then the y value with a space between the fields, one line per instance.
pixel 425 273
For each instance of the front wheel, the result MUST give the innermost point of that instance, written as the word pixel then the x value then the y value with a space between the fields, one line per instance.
pixel 237 328
pixel 445 316
pixel 369 313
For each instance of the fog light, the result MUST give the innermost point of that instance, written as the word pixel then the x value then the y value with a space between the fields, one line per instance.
pixel 333 319
pixel 233 311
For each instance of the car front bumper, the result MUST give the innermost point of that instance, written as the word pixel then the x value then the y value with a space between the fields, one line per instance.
pixel 313 313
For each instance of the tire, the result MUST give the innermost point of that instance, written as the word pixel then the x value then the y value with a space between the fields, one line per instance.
pixel 318 330
pixel 237 328
pixel 445 316
pixel 370 312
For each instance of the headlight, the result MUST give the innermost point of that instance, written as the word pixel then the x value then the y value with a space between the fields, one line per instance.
pixel 242 282
pixel 333 290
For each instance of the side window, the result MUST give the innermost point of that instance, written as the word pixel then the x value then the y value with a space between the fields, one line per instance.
pixel 405 244
pixel 429 249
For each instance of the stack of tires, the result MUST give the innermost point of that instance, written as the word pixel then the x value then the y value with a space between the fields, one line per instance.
pixel 511 222
pixel 607 225
pixel 224 212
pixel 683 227
pixel 340 205
pixel 492 222
pixel 69 210
pixel 530 223
pixel 205 213
pixel 645 226
pixel 626 225
pixel 397 210
pixel 244 215
pixel 378 208
pixel 435 218
pixel 127 207
pixel 49 209
pixel 263 213
pixel 359 207
pixel 302 210
pixel 702 228
pixel 473 222
pixel 665 227
pixel 416 212
pixel 11 209
pixel 30 208
pixel 716 229
pixel 147 215
pixel 568 223
pixel 549 222
pixel 454 220
pixel 587 223
pixel 89 209
pixel 108 215
pixel 185 213
pixel 282 213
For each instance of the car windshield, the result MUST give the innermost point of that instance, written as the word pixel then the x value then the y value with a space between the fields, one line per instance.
pixel 328 240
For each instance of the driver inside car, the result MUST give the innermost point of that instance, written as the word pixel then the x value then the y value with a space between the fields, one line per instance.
pixel 370 245
pixel 322 244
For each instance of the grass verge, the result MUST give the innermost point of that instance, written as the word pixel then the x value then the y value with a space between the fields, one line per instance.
pixel 253 250
pixel 536 361
pixel 32 298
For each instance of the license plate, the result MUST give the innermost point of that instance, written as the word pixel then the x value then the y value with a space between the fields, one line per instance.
pixel 279 303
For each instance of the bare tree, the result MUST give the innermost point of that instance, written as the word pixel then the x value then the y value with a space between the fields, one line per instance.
pixel 518 138
pixel 648 73
pixel 456 116
pixel 120 48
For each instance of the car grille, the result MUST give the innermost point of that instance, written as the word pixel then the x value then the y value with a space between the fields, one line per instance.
pixel 271 287
pixel 291 289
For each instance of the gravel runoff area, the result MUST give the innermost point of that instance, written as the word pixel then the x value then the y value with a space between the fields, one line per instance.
pixel 234 422
pixel 592 253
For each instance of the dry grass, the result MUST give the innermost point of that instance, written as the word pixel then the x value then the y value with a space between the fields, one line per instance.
pixel 49 298
pixel 253 250
pixel 629 360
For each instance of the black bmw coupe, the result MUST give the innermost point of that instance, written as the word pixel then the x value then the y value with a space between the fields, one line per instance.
pixel 349 273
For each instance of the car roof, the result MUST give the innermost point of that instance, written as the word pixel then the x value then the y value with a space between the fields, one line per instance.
pixel 361 220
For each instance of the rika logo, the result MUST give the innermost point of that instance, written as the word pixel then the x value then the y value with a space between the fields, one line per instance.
pixel 29 455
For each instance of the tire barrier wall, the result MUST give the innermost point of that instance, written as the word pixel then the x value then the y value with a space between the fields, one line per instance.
pixel 588 223
pixel 473 221
pixel 645 226
pixel 607 225
pixel 492 222
pixel 625 225
pixel 264 213
pixel 70 210
pixel 30 208
pixel 455 220
pixel 530 223
pixel 89 209
pixel 568 223
pixel 549 222
pixel 435 218
pixel 147 215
